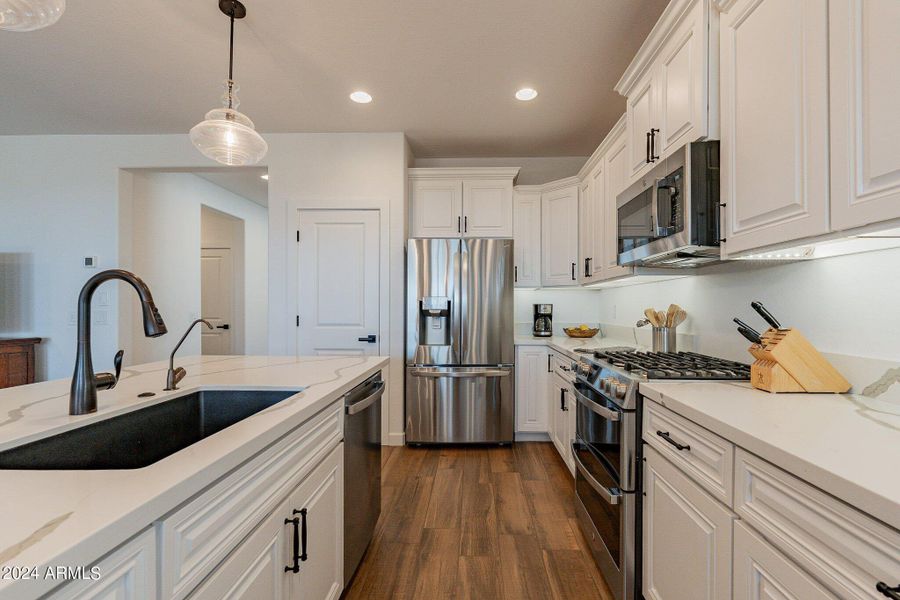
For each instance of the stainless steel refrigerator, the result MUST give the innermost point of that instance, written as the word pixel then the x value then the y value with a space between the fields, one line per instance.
pixel 460 376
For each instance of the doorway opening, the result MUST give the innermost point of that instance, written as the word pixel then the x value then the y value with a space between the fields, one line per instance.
pixel 221 282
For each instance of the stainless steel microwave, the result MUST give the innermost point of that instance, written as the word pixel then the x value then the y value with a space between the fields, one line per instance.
pixel 670 217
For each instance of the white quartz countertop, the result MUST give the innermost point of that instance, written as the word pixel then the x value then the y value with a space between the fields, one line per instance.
pixel 567 345
pixel 847 445
pixel 71 518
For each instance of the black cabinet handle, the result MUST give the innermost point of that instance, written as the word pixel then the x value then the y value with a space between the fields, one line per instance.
pixel 295 568
pixel 665 435
pixel 458 224
pixel 516 273
pixel 371 339
pixel 647 153
pixel 573 271
pixel 466 224
pixel 889 592
pixel 653 155
pixel 562 400
pixel 225 326
pixel 303 555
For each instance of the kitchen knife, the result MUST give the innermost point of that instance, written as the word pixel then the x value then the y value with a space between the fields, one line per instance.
pixel 751 335
pixel 745 326
pixel 765 314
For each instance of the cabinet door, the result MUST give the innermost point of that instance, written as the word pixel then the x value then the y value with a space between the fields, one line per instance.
pixel 760 571
pixel 559 237
pixel 321 494
pixel 598 218
pixel 436 207
pixel 774 149
pixel 640 113
pixel 488 208
pixel 683 82
pixel 531 386
pixel 865 156
pixel 559 404
pixel 687 536
pixel 255 570
pixel 527 239
pixel 129 573
pixel 616 182
pixel 586 231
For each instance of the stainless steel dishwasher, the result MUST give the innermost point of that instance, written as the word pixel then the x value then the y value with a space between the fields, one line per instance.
pixel 362 469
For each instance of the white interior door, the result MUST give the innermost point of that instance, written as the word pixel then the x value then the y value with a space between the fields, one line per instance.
pixel 339 282
pixel 217 300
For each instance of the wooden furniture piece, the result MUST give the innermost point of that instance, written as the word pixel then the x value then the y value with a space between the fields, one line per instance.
pixel 787 362
pixel 17 361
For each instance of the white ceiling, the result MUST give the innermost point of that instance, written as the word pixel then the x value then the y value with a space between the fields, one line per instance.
pixel 443 72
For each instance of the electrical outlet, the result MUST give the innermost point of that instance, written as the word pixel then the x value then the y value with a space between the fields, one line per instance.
pixel 103 298
pixel 614 312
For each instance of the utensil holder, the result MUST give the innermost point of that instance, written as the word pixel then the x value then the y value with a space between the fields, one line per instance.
pixel 663 339
pixel 787 362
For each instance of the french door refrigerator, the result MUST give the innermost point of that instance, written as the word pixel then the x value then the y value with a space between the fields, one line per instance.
pixel 460 355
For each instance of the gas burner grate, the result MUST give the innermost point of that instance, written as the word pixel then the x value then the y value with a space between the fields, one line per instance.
pixel 675 365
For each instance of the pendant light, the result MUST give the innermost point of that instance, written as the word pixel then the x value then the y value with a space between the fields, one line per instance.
pixel 28 15
pixel 226 135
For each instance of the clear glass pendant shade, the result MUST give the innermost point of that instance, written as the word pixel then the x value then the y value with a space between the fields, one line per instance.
pixel 228 136
pixel 28 15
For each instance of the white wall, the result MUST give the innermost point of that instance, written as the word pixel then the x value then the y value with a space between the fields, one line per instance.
pixel 844 305
pixel 166 236
pixel 534 170
pixel 570 307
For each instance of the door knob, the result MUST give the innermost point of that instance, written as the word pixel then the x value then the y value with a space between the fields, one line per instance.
pixel 225 326
pixel 371 339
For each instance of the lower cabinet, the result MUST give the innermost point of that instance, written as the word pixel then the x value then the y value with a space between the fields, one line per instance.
pixel 561 410
pixel 296 552
pixel 531 386
pixel 687 536
pixel 760 571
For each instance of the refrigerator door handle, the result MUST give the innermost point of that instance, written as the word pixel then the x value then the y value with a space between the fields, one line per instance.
pixel 436 373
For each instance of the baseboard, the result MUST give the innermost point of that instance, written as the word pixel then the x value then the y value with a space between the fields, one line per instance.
pixel 394 439
pixel 532 436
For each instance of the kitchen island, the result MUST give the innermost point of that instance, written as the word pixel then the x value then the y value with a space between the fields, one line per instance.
pixel 74 518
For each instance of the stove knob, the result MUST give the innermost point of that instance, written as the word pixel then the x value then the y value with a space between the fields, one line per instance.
pixel 620 389
pixel 608 384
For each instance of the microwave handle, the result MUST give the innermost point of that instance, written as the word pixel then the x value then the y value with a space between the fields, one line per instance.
pixel 659 230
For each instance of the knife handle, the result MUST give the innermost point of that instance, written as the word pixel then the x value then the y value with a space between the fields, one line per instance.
pixel 745 326
pixel 750 335
pixel 765 314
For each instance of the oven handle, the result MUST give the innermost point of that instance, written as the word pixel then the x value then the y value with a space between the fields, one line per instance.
pixel 607 494
pixel 610 415
pixel 460 374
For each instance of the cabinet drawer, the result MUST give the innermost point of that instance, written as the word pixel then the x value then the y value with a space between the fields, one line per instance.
pixel 199 535
pixel 843 548
pixel 703 455
pixel 561 365
pixel 128 573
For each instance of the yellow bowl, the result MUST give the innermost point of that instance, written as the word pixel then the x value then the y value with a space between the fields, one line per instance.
pixel 575 332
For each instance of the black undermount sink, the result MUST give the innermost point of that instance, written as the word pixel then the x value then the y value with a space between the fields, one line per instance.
pixel 141 437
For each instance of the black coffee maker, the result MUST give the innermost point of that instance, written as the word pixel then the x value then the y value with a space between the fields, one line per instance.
pixel 543 320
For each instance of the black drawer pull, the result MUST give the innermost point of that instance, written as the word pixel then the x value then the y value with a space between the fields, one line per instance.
pixel 295 568
pixel 889 592
pixel 303 555
pixel 573 271
pixel 665 435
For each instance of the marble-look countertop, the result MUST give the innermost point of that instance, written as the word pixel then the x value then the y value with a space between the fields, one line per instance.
pixel 74 517
pixel 567 345
pixel 847 445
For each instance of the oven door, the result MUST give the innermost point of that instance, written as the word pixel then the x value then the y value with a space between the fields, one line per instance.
pixel 608 431
pixel 606 514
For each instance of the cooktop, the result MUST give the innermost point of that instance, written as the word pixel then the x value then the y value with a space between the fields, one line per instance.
pixel 674 365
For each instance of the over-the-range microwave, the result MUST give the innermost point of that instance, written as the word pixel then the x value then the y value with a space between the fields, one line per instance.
pixel 670 217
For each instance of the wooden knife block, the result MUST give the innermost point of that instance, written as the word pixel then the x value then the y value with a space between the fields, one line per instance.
pixel 787 362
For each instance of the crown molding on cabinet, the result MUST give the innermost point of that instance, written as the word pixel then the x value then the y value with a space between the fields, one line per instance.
pixel 550 185
pixel 674 14
pixel 723 5
pixel 463 172
pixel 602 149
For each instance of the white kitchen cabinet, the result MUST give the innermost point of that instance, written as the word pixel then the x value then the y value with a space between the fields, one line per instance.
pixel 687 537
pixel 561 405
pixel 488 208
pixel 436 208
pixel 531 388
pixel 527 237
pixel 641 118
pixel 559 236
pixel 864 57
pixel 616 182
pixel 128 573
pixel 456 202
pixel 774 138
pixel 762 572
pixel 591 222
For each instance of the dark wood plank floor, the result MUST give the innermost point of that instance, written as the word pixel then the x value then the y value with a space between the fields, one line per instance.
pixel 477 522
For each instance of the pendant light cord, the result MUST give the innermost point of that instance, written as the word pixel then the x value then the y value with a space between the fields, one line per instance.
pixel 231 48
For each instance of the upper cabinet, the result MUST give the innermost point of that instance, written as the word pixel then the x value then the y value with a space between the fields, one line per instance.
pixel 527 236
pixel 559 235
pixel 456 202
pixel 774 93
pixel 616 182
pixel 667 85
pixel 864 55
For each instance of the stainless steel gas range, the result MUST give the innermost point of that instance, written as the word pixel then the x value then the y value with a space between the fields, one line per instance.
pixel 607 449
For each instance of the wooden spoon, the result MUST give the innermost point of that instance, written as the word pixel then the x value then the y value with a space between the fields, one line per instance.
pixel 651 316
pixel 680 316
pixel 661 317
pixel 670 315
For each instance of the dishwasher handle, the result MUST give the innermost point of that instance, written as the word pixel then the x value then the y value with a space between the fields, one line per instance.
pixel 361 405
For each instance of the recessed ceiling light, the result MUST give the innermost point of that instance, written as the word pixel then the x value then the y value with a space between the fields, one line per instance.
pixel 361 97
pixel 526 94
pixel 264 176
